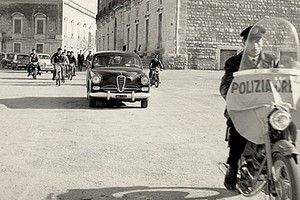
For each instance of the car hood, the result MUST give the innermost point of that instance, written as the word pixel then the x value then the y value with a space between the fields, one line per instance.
pixel 115 71
pixel 109 75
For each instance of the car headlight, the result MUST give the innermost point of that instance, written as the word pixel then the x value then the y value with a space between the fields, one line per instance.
pixel 96 79
pixel 144 80
pixel 280 120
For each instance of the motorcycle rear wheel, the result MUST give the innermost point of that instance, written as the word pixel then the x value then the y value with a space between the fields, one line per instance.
pixel 34 74
pixel 287 178
pixel 156 81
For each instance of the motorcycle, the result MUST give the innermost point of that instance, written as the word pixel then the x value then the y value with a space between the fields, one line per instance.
pixel 263 104
pixel 33 69
pixel 155 77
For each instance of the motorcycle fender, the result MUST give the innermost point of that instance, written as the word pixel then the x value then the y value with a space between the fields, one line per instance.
pixel 285 148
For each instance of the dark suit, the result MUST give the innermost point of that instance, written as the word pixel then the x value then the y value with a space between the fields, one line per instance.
pixel 80 59
pixel 237 143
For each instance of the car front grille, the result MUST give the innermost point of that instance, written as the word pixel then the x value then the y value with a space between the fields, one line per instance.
pixel 121 81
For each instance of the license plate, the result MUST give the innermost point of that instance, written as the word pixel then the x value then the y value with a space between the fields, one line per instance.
pixel 121 96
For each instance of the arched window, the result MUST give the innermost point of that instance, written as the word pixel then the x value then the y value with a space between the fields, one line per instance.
pixel 79 29
pixel 90 35
pixel 18 19
pixel 40 23
pixel 65 26
pixel 84 31
pixel 72 28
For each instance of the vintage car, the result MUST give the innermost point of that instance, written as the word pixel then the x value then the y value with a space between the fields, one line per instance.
pixel 45 62
pixel 117 76
pixel 8 58
pixel 2 59
pixel 20 61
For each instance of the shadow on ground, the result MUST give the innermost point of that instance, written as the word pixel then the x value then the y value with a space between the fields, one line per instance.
pixel 146 193
pixel 59 103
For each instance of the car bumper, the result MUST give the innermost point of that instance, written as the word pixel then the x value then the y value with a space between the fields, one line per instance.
pixel 121 96
pixel 47 68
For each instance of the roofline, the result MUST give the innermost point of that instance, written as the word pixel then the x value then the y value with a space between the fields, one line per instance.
pixel 80 8
pixel 30 1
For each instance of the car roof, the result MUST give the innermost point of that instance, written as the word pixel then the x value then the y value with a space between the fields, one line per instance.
pixel 44 54
pixel 22 54
pixel 116 52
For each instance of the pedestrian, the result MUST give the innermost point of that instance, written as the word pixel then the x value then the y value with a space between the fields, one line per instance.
pixel 89 56
pixel 72 61
pixel 80 59
pixel 250 58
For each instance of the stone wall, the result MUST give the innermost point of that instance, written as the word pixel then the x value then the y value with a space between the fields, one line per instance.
pixel 194 31
pixel 219 23
pixel 27 40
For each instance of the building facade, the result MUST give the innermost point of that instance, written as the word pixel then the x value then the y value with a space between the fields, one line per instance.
pixel 187 34
pixel 45 25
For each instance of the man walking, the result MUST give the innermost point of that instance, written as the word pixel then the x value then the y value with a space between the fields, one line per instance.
pixel 80 59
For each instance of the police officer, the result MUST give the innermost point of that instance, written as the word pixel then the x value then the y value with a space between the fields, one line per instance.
pixel 252 57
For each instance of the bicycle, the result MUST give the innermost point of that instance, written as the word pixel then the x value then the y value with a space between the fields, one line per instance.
pixel 71 71
pixel 58 74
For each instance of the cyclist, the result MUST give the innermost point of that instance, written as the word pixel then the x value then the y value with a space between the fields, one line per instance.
pixel 155 62
pixel 33 58
pixel 56 59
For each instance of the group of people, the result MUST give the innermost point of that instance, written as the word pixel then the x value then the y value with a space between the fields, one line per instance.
pixel 66 58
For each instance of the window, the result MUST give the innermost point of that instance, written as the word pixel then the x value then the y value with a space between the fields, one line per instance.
pixel 148 6
pixel 40 24
pixel 107 42
pixel 115 34
pixel 17 47
pixel 128 37
pixel 160 2
pixel 40 48
pixel 84 31
pixel 17 26
pixel 136 36
pixel 72 28
pixel 78 29
pixel 159 30
pixel 66 26
pixel 17 22
pixel 137 12
pixel 90 37
pixel 147 34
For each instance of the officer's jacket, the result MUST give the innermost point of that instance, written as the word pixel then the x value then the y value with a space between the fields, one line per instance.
pixel 233 64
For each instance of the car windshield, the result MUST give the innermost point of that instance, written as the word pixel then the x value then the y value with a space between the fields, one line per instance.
pixel 10 56
pixel 2 56
pixel 44 57
pixel 22 56
pixel 108 60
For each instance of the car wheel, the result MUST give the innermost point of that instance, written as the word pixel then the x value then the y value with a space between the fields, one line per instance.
pixel 92 102
pixel 144 103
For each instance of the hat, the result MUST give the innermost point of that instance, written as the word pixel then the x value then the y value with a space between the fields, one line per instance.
pixel 59 49
pixel 256 32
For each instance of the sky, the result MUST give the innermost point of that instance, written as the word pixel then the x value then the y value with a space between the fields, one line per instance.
pixel 89 4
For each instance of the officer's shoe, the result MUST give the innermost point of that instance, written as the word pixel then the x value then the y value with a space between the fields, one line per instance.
pixel 230 178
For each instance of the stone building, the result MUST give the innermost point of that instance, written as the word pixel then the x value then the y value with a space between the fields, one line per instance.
pixel 45 25
pixel 189 34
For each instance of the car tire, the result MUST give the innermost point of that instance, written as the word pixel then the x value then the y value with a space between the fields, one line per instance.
pixel 144 103
pixel 92 102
